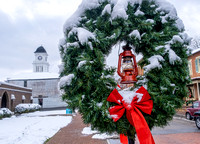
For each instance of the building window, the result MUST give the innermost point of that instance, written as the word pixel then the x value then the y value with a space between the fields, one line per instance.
pixel 190 66
pixel 197 64
pixel 37 68
pixel 25 83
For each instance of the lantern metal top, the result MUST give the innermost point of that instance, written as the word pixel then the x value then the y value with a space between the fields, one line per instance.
pixel 126 47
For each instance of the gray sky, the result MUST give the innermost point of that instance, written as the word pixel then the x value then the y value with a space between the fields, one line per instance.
pixel 27 24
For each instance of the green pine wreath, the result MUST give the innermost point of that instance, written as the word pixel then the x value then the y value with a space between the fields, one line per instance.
pixel 153 29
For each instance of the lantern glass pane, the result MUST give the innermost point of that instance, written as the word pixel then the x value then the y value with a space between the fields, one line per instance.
pixel 127 64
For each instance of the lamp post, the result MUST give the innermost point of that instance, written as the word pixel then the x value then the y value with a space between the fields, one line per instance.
pixel 128 71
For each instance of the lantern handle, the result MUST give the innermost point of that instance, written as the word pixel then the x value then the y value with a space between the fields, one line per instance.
pixel 135 65
pixel 119 66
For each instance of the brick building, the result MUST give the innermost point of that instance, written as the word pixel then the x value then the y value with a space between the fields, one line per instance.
pixel 194 70
pixel 12 95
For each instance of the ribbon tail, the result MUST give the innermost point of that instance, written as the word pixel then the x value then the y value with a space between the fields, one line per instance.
pixel 142 129
pixel 123 139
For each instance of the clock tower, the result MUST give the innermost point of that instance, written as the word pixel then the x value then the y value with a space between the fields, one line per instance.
pixel 40 63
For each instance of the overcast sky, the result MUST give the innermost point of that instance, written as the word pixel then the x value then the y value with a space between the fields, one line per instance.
pixel 27 24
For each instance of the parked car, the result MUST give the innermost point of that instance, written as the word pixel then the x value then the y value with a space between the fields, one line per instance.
pixel 190 111
pixel 197 119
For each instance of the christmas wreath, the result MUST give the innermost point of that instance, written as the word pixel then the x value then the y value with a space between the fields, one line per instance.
pixel 154 31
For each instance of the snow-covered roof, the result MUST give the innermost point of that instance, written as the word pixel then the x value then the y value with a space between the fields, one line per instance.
pixel 195 51
pixel 194 78
pixel 34 75
pixel 9 84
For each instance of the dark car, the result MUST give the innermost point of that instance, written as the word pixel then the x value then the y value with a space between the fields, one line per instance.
pixel 197 119
pixel 190 111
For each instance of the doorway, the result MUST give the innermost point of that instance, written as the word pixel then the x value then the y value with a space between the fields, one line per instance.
pixel 40 100
pixel 4 100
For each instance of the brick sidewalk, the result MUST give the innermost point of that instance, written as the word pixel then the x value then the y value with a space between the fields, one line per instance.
pixel 181 138
pixel 71 134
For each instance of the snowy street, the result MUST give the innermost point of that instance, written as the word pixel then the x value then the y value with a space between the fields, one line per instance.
pixel 32 128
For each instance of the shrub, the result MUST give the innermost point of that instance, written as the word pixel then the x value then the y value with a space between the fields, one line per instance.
pixel 5 112
pixel 25 108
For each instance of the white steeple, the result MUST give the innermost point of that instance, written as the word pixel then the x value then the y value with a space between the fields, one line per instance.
pixel 40 63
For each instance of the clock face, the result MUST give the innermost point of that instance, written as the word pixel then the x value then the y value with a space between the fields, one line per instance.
pixel 39 57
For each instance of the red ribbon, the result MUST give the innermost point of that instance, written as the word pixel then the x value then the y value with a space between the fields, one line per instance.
pixel 133 115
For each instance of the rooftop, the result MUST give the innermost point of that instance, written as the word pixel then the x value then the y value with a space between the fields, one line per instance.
pixel 40 50
pixel 195 51
pixel 34 76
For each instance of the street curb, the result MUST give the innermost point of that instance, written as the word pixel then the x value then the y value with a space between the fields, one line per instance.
pixel 191 121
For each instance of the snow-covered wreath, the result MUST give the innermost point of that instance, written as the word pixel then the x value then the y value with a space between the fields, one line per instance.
pixel 153 29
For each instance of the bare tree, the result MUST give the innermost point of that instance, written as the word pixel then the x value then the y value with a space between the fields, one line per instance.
pixel 195 43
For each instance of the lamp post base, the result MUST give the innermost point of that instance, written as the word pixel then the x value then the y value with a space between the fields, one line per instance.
pixel 131 141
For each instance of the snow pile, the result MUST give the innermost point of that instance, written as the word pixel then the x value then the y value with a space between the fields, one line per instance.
pixel 99 104
pixel 83 34
pixel 172 55
pixel 88 131
pixel 177 38
pixel 66 80
pixel 5 112
pixel 129 95
pixel 154 63
pixel 150 21
pixel 136 34
pixel 24 108
pixel 107 9
pixel 104 136
pixel 81 63
pixel 76 17
pixel 119 10
pixel 138 12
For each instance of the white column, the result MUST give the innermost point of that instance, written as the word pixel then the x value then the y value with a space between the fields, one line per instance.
pixel 198 90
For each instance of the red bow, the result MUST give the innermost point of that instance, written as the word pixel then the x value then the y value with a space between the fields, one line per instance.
pixel 133 115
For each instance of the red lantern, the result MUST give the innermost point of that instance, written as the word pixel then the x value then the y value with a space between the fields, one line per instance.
pixel 127 63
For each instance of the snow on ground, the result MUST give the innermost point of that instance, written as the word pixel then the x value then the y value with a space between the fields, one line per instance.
pixel 88 131
pixel 97 134
pixel 45 113
pixel 104 136
pixel 32 128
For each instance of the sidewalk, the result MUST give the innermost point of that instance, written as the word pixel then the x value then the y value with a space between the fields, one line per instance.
pixel 181 138
pixel 71 134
